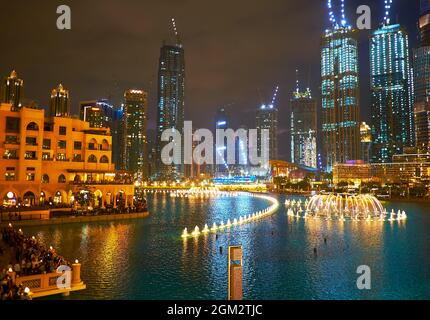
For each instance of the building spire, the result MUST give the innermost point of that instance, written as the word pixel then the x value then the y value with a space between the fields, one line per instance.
pixel 297 81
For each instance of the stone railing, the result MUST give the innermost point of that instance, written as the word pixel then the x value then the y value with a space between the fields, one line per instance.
pixel 42 285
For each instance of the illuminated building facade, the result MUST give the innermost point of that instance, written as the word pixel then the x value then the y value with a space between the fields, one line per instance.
pixel 391 93
pixel 60 102
pixel 267 119
pixel 12 90
pixel 421 56
pixel 353 171
pixel 366 141
pixel 98 113
pixel 171 101
pixel 117 139
pixel 50 160
pixel 221 123
pixel 405 169
pixel 134 153
pixel 304 129
pixel 340 95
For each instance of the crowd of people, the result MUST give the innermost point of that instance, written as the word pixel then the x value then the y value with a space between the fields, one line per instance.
pixel 28 257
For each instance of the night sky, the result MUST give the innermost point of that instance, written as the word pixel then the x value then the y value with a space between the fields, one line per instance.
pixel 234 49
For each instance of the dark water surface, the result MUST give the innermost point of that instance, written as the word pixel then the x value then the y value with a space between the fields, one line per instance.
pixel 147 259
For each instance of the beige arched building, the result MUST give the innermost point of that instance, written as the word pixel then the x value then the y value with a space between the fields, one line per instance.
pixel 53 159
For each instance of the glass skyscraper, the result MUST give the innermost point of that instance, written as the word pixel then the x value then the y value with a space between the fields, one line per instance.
pixel 222 123
pixel 98 113
pixel 304 129
pixel 421 57
pixel 171 90
pixel 391 93
pixel 134 153
pixel 267 118
pixel 340 95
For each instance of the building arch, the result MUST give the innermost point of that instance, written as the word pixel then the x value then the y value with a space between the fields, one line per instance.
pixel 62 178
pixel 33 126
pixel 9 198
pixel 93 144
pixel 60 197
pixel 105 145
pixel 92 159
pixel 29 198
pixel 104 159
pixel 45 179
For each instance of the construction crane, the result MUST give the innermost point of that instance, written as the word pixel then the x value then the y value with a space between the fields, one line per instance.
pixel 275 95
pixel 332 17
pixel 175 30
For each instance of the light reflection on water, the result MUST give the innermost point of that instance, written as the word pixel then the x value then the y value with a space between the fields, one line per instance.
pixel 147 259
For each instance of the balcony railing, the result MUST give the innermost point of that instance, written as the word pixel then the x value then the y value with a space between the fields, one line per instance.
pixel 80 183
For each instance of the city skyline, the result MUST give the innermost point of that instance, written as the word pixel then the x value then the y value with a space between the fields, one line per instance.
pixel 245 94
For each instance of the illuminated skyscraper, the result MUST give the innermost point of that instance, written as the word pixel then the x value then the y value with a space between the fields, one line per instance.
pixel 117 138
pixel 421 68
pixel 98 113
pixel 12 90
pixel 267 118
pixel 304 129
pixel 134 154
pixel 171 88
pixel 222 123
pixel 340 92
pixel 391 92
pixel 60 102
pixel 366 141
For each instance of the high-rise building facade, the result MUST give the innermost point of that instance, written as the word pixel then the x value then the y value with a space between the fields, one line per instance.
pixel 340 95
pixel 391 93
pixel 60 102
pixel 304 129
pixel 424 23
pixel 421 66
pixel 117 139
pixel 221 123
pixel 98 113
pixel 366 142
pixel 12 90
pixel 171 94
pixel 134 153
pixel 267 119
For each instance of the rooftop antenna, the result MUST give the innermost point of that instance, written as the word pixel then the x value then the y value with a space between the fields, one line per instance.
pixel 309 76
pixel 275 95
pixel 387 19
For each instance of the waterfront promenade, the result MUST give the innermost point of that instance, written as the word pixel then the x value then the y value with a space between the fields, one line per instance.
pixel 31 269
pixel 50 216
